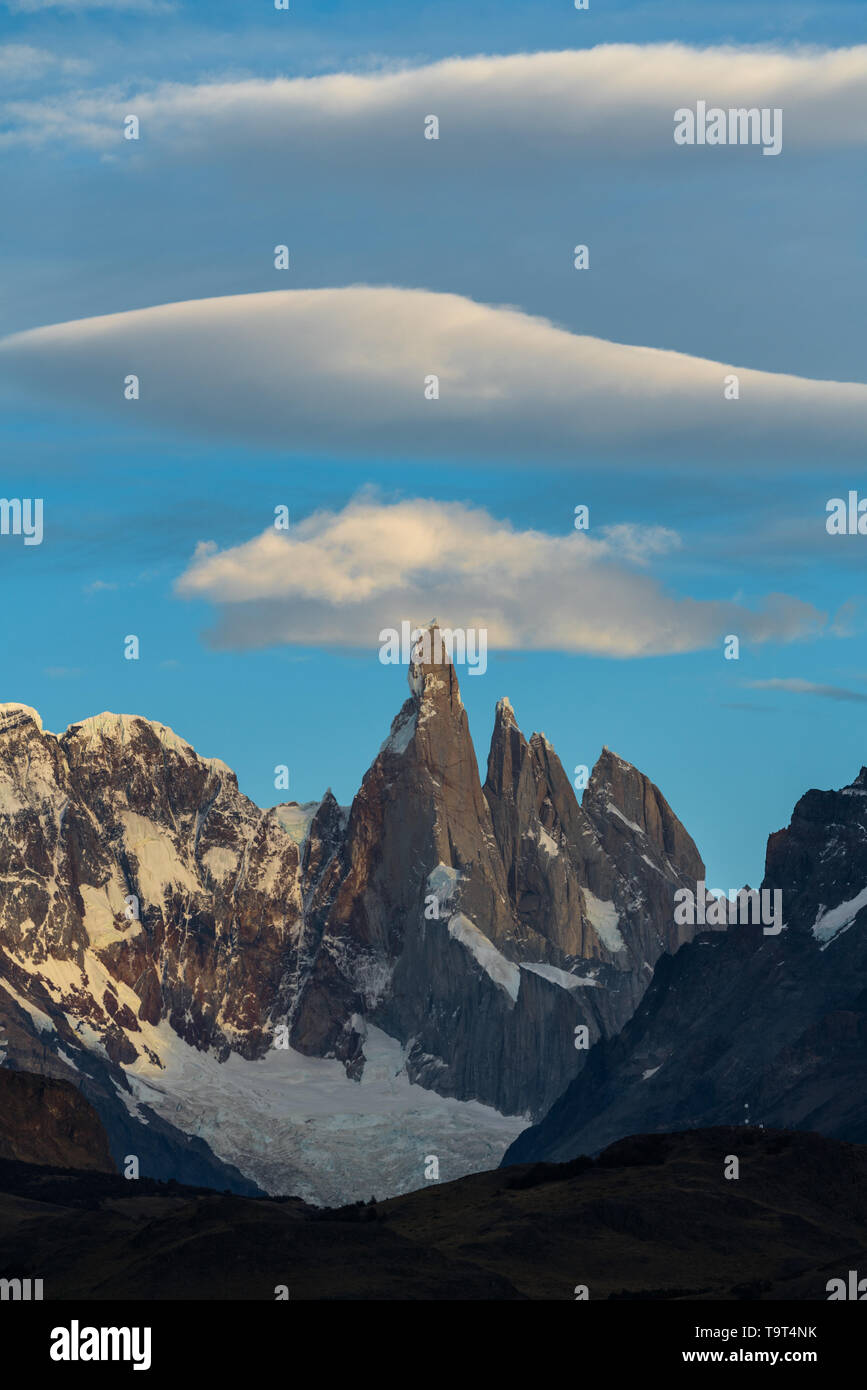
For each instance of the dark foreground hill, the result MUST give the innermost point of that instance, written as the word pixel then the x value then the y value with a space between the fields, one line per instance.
pixel 653 1217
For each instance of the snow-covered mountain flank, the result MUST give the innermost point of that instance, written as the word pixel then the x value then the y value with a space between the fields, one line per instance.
pixel 317 999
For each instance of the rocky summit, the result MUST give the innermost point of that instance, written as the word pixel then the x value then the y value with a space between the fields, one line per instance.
pixel 318 999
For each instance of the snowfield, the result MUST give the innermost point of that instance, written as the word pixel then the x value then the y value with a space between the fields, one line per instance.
pixel 297 1125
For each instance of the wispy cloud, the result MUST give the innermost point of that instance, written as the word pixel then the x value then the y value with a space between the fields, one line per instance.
pixel 344 371
pixel 611 100
pixel 802 687
pixel 340 577
pixel 640 544
pixel 133 6
pixel 21 62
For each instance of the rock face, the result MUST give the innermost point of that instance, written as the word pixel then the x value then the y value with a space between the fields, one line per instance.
pixel 49 1122
pixel 145 899
pixel 482 925
pixel 742 1025
pixel 120 843
pixel 595 880
pixel 637 829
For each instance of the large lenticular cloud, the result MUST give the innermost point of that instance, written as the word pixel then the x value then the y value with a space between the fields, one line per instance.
pixel 344 370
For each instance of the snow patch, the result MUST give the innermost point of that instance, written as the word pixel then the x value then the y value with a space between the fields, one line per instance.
pixel 220 862
pixel 655 867
pixel 559 977
pixel 102 907
pixel 159 864
pixel 401 735
pixel 831 921
pixel 42 1021
pixel 609 806
pixel 604 919
pixel 443 883
pixel 295 818
pixel 494 964
pixel 121 727
pixel 427 708
pixel 548 843
pixel 13 708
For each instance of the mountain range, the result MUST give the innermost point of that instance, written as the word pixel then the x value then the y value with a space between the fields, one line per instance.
pixel 313 998
pixel 344 1002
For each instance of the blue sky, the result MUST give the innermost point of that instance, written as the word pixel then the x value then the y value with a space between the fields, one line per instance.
pixel 719 254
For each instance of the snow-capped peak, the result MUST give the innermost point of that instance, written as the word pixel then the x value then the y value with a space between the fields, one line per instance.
pixel 14 708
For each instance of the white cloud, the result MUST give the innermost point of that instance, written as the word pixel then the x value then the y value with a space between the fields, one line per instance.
pixel 21 62
pixel 343 370
pixel 796 686
pixel 587 103
pixel 340 577
pixel 640 544
pixel 135 6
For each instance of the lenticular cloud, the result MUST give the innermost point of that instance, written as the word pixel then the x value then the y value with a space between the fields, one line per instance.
pixel 369 371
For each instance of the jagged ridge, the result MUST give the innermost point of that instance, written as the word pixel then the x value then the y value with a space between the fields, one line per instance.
pixel 478 925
